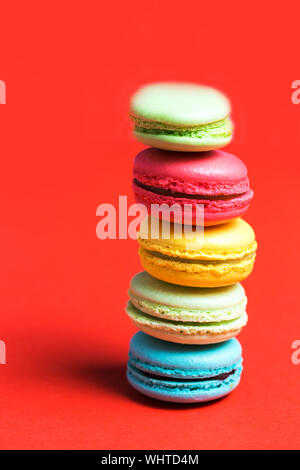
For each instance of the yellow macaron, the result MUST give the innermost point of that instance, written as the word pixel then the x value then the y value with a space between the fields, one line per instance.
pixel 218 256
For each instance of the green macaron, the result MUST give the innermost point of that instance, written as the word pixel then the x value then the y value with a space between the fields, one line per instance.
pixel 181 117
pixel 188 315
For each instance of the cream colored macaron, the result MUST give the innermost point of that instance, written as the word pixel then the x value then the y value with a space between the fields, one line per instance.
pixel 186 315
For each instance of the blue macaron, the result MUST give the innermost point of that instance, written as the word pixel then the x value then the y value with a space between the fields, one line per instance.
pixel 183 373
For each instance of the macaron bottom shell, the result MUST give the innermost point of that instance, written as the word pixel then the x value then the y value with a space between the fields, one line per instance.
pixel 182 391
pixel 205 137
pixel 185 332
pixel 184 273
pixel 191 339
pixel 215 211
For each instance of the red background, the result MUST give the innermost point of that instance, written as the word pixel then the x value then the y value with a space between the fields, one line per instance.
pixel 70 68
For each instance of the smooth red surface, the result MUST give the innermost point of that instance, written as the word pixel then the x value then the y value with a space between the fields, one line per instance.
pixel 70 68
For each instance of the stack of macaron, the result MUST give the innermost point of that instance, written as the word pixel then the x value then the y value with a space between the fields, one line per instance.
pixel 188 302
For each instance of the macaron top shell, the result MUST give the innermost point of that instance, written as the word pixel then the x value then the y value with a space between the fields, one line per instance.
pixel 181 104
pixel 149 288
pixel 232 240
pixel 173 359
pixel 204 173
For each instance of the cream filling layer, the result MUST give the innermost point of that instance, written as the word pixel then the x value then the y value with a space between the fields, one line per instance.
pixel 185 314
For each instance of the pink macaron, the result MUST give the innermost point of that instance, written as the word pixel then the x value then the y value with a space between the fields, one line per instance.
pixel 218 180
